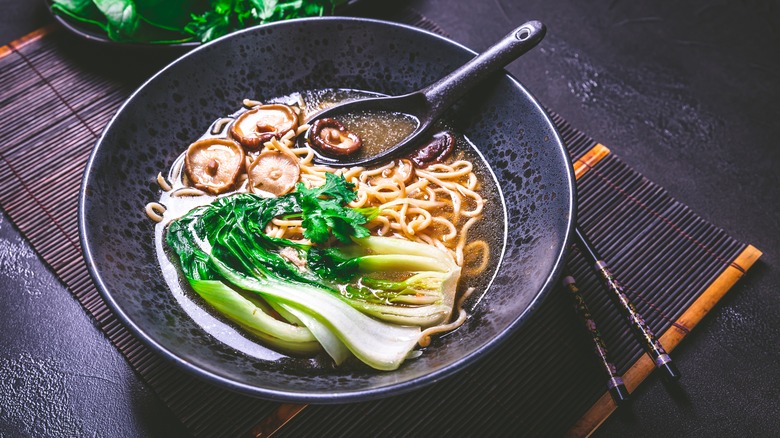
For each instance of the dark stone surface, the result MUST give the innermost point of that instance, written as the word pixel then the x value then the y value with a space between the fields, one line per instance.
pixel 59 374
pixel 688 93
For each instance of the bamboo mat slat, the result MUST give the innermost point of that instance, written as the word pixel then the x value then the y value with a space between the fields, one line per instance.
pixel 543 381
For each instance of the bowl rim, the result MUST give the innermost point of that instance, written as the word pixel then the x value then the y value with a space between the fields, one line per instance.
pixel 341 396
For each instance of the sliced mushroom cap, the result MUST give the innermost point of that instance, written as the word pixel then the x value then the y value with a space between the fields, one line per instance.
pixel 213 164
pixel 438 149
pixel 273 172
pixel 332 137
pixel 259 125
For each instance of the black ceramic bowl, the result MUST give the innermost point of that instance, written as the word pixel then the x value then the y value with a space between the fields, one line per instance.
pixel 177 105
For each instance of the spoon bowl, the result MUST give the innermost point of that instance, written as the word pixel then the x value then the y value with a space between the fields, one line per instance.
pixel 425 106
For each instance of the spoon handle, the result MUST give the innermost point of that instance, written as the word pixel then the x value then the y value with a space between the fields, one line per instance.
pixel 442 94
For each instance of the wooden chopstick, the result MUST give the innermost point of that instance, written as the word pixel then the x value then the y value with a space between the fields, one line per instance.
pixel 639 327
pixel 615 385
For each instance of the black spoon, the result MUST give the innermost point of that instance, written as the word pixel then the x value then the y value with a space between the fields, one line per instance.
pixel 426 105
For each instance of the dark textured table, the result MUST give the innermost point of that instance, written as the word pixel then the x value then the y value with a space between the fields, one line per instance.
pixel 688 94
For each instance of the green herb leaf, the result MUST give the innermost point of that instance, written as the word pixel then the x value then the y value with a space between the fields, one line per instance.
pixel 87 13
pixel 121 16
pixel 171 15
pixel 335 187
pixel 227 16
pixel 74 6
pixel 324 214
pixel 172 21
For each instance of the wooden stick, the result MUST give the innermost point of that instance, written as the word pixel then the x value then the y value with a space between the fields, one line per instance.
pixel 615 385
pixel 639 327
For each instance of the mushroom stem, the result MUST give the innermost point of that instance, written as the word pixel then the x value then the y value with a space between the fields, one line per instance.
pixel 212 167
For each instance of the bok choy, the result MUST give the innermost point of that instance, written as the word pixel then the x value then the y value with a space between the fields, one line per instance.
pixel 352 293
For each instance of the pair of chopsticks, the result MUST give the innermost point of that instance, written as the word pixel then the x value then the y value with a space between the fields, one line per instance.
pixel 639 328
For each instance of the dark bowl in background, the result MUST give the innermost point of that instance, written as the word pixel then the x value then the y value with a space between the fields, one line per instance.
pixel 174 107
pixel 94 34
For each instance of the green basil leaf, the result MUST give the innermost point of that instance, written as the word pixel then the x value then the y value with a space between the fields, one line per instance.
pixel 89 15
pixel 74 6
pixel 122 18
pixel 169 14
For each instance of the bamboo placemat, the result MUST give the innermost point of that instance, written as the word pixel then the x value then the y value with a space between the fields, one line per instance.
pixel 542 381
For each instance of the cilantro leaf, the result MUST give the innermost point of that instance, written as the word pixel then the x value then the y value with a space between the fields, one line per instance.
pixel 316 229
pixel 324 213
pixel 335 187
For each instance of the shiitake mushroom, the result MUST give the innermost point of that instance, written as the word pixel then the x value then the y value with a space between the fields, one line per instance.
pixel 436 150
pixel 332 137
pixel 273 172
pixel 261 124
pixel 213 164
